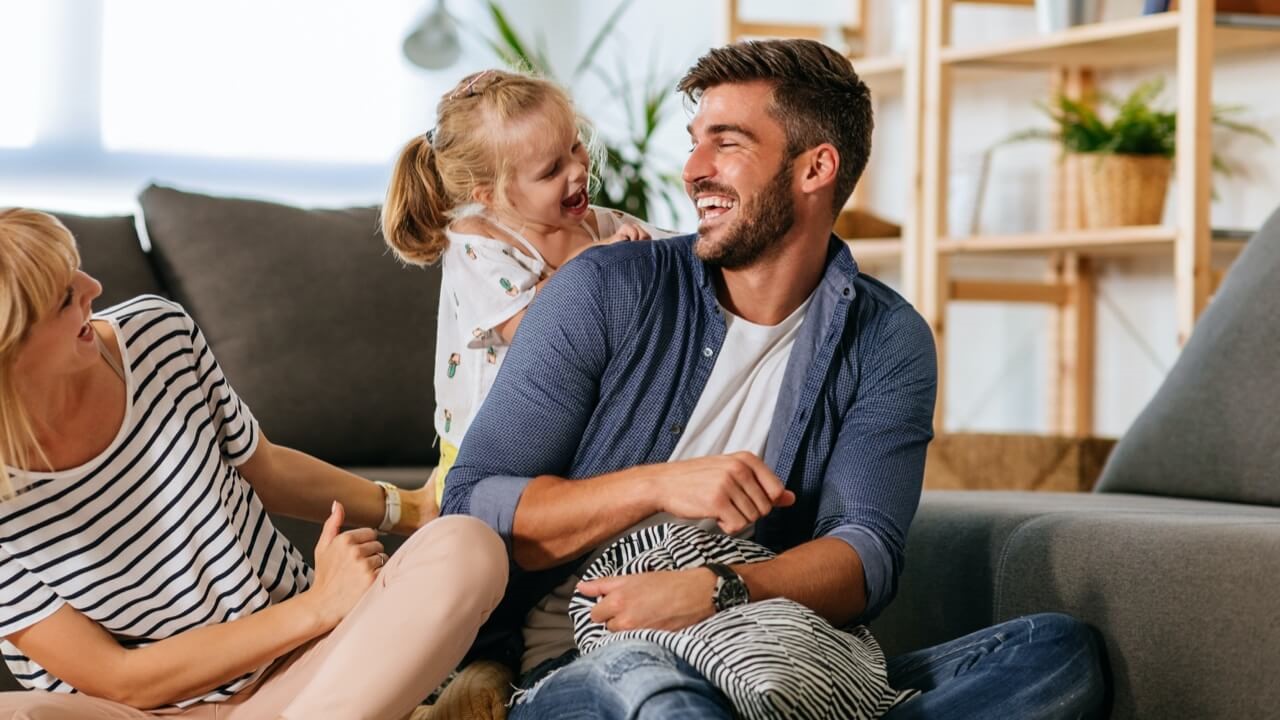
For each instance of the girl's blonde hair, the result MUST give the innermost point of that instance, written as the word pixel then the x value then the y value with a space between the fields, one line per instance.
pixel 439 171
pixel 38 260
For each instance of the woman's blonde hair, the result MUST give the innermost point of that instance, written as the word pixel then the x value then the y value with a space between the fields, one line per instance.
pixel 439 171
pixel 38 260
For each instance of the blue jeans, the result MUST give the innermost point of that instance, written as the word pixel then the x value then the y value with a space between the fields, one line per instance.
pixel 1038 666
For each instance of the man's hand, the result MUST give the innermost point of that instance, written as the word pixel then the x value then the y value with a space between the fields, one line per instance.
pixel 736 490
pixel 668 600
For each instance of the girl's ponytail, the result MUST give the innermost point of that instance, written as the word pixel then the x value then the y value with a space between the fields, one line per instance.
pixel 417 207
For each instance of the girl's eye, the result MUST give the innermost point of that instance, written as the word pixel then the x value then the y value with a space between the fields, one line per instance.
pixel 66 302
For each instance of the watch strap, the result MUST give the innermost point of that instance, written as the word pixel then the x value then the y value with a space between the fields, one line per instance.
pixel 391 513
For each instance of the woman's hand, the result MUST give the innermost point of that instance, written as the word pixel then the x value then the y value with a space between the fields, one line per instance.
pixel 629 231
pixel 346 565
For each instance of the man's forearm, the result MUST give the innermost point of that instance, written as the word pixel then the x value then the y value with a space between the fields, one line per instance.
pixel 557 519
pixel 824 575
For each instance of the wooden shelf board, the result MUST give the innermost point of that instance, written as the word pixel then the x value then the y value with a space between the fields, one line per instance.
pixel 1131 41
pixel 1109 241
pixel 1121 240
pixel 875 248
pixel 884 74
pixel 746 28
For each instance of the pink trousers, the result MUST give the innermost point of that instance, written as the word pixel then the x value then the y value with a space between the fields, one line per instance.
pixel 402 640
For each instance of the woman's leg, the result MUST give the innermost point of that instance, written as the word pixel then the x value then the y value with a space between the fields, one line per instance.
pixel 41 705
pixel 404 637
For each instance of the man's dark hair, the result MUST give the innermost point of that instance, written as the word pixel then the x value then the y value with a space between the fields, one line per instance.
pixel 817 97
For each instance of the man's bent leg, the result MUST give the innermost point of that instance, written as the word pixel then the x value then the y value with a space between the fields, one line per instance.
pixel 1038 666
pixel 625 679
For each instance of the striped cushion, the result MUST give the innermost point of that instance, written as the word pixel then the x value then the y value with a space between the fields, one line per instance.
pixel 775 658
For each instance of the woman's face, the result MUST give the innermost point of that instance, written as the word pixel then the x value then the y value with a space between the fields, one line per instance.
pixel 62 342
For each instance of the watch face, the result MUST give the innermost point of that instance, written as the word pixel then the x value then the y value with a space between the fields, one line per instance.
pixel 730 593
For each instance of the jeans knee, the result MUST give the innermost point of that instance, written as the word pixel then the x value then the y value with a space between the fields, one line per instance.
pixel 1078 644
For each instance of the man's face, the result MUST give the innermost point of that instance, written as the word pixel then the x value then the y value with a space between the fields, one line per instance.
pixel 738 175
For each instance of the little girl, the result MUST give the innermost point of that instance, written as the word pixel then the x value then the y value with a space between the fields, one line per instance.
pixel 498 193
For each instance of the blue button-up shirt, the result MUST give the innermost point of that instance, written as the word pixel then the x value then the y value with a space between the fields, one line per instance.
pixel 608 365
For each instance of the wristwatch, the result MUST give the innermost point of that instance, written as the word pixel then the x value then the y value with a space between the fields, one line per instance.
pixel 731 589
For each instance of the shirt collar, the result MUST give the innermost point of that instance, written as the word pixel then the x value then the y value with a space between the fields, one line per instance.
pixel 838 277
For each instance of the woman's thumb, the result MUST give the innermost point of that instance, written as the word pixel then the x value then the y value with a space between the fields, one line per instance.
pixel 333 525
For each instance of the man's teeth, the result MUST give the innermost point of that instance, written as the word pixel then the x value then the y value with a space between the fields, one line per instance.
pixel 721 202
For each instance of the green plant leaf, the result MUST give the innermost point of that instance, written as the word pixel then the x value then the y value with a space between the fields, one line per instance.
pixel 589 56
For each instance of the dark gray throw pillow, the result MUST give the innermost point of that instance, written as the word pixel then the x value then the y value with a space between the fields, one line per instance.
pixel 1212 431
pixel 326 337
pixel 110 251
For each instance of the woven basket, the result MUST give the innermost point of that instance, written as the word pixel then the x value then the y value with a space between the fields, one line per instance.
pixel 1121 190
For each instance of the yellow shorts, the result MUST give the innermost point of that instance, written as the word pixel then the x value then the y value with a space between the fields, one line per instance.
pixel 448 454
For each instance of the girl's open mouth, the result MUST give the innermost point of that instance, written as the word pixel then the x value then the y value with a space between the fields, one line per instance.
pixel 576 203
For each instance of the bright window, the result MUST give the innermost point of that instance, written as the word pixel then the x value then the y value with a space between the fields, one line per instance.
pixel 279 79
pixel 19 50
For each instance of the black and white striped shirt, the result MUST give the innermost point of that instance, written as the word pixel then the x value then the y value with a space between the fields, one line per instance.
pixel 158 534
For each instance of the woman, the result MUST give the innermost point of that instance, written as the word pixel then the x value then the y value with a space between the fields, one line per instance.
pixel 139 570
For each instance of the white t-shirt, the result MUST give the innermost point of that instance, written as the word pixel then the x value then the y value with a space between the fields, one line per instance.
pixel 484 283
pixel 159 534
pixel 733 414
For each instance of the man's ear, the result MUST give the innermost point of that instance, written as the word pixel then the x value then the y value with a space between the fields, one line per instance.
pixel 819 167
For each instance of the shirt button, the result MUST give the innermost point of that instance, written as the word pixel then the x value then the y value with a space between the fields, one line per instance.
pixel 846 292
pixel 676 428
pixel 708 352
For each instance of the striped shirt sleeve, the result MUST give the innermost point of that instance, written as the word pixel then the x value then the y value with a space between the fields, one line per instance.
pixel 24 600
pixel 237 429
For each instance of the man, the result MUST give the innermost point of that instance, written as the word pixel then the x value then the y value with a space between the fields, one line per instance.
pixel 748 376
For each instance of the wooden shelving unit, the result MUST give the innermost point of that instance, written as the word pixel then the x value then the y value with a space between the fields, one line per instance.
pixel 1189 39
pixel 924 79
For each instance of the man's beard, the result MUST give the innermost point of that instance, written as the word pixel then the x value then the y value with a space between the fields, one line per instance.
pixel 760 227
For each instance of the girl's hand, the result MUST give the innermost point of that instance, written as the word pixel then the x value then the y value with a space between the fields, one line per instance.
pixel 417 507
pixel 628 231
pixel 346 565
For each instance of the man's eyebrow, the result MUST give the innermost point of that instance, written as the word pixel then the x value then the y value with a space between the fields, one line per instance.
pixel 723 128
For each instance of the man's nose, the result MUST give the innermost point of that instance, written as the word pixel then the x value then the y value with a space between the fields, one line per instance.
pixel 698 166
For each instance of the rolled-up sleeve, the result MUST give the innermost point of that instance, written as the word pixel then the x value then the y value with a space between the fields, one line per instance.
pixel 872 485
pixel 534 417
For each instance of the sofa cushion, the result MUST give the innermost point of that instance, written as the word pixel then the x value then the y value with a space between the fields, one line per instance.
pixel 110 251
pixel 323 333
pixel 1180 590
pixel 1212 430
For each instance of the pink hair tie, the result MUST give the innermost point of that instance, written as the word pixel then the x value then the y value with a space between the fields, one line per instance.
pixel 467 90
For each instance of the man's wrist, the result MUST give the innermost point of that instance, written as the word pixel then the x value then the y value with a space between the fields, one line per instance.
pixel 645 483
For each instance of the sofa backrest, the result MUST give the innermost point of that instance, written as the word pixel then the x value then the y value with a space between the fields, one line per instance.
pixel 1212 431
pixel 325 335
pixel 110 252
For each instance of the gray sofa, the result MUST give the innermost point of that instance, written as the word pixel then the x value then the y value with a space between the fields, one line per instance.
pixel 1175 559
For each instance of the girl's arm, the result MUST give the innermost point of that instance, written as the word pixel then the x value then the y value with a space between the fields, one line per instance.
pixel 295 484
pixel 78 651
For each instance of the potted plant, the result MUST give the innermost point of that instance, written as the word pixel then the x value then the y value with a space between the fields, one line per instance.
pixel 1124 164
